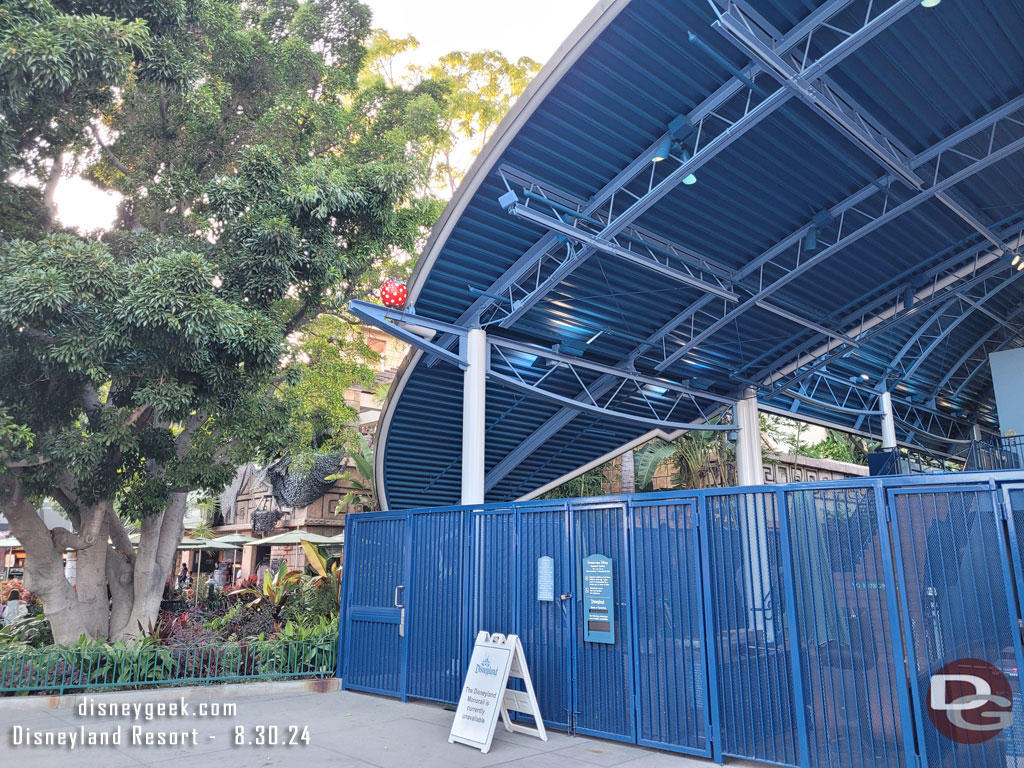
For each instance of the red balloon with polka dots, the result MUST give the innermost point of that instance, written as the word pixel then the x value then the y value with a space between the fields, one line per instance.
pixel 393 293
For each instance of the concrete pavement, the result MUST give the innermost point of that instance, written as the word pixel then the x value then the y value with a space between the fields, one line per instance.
pixel 345 730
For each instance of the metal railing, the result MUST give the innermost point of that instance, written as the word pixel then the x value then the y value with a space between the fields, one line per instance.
pixel 903 461
pixel 58 670
pixel 996 453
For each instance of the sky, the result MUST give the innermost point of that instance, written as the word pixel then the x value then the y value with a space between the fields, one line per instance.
pixel 533 28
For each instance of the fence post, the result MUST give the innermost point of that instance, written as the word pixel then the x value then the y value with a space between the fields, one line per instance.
pixel 893 569
pixel 1004 523
pixel 713 715
pixel 793 629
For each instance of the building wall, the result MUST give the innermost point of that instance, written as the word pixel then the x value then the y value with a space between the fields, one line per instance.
pixel 778 468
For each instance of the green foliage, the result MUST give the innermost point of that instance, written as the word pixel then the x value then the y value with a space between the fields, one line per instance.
pixel 56 68
pixel 32 630
pixel 481 87
pixel 647 459
pixel 590 483
pixel 364 493
pixel 703 459
pixel 840 446
pixel 273 592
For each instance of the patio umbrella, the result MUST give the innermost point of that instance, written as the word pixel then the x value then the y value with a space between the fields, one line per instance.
pixel 235 538
pixel 291 537
pixel 9 542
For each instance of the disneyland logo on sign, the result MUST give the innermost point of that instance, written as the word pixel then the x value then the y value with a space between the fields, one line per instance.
pixel 485 668
pixel 970 701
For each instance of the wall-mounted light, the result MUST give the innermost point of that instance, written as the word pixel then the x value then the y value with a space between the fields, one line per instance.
pixel 929 3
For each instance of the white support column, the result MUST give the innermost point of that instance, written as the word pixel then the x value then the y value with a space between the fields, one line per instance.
pixel 474 413
pixel 888 421
pixel 753 514
pixel 749 464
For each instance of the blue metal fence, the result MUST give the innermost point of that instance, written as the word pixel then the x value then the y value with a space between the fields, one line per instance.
pixel 795 625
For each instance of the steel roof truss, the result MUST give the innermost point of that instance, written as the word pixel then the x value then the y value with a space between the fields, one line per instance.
pixel 715 126
pixel 853 220
pixel 842 113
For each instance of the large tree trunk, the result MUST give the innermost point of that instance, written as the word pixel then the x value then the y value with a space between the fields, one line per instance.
pixel 91 583
pixel 118 594
pixel 44 566
pixel 158 543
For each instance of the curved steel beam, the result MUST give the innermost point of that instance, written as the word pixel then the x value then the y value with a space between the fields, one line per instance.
pixel 970 309
pixel 607 413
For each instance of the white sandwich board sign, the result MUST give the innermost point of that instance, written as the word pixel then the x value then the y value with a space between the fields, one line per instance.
pixel 485 693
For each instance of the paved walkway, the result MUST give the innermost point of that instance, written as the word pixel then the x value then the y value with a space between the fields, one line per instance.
pixel 346 730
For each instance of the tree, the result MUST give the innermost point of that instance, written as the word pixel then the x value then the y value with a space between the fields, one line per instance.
pixel 261 192
pixel 486 86
pixel 483 86
pixel 589 483
pixel 60 62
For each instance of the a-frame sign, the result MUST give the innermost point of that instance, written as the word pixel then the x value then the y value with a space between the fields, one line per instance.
pixel 496 658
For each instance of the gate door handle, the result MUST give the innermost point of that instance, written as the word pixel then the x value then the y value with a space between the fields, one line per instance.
pixel 401 615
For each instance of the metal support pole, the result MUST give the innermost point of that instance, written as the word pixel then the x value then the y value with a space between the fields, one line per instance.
pixel 976 432
pixel 749 464
pixel 888 421
pixel 474 412
pixel 750 471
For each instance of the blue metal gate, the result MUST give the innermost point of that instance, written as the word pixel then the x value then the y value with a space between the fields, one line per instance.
pixel 375 658
pixel 668 627
pixel 796 625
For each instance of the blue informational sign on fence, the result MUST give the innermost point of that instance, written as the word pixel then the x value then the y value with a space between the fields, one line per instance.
pixel 598 600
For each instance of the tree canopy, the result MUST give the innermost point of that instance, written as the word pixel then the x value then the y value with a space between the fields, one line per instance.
pixel 263 188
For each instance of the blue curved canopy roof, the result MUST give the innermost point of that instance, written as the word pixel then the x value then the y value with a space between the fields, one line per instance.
pixel 854 224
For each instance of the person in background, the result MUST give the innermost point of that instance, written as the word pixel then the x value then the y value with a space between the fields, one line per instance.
pixel 15 608
pixel 183 576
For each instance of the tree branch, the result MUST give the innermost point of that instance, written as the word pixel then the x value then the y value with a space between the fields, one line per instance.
pixel 119 536
pixel 65 539
pixel 114 159
pixel 69 503
pixel 184 439
pixel 23 463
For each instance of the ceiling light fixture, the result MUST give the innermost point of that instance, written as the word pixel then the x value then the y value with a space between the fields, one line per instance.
pixel 690 178
pixel 663 150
